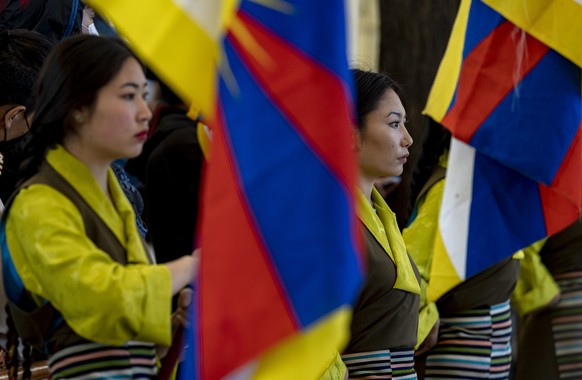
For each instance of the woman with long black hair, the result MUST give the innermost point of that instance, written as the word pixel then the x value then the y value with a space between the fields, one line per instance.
pixel 80 283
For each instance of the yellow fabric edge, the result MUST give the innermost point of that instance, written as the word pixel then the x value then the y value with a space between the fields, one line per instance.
pixel 367 215
pixel 337 370
pixel 519 255
pixel 382 224
pixel 427 317
pixel 309 354
pixel 535 287
pixel 557 23
pixel 445 83
pixel 174 46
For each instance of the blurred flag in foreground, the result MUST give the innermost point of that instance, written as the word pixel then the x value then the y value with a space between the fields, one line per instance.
pixel 514 106
pixel 279 266
pixel 178 39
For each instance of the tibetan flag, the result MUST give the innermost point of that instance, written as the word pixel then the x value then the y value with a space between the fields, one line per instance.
pixel 280 262
pixel 279 266
pixel 514 106
pixel 178 39
pixel 556 23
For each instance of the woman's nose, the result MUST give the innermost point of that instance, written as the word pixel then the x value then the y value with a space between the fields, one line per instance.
pixel 145 114
pixel 407 139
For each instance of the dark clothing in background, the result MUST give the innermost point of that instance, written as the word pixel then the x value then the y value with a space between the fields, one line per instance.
pixel 56 19
pixel 550 343
pixel 562 252
pixel 169 168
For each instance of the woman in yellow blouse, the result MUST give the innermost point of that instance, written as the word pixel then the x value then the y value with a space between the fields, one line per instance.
pixel 386 314
pixel 69 235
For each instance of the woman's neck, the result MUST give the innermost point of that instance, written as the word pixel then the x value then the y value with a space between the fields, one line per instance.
pixel 366 185
pixel 100 174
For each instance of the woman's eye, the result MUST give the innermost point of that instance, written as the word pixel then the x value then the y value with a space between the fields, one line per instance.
pixel 128 96
pixel 395 124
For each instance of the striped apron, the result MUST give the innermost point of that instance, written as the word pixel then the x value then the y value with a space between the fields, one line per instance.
pixel 133 360
pixel 383 364
pixel 567 326
pixel 474 344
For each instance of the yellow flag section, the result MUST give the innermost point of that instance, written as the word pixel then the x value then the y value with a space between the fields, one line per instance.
pixel 445 83
pixel 178 39
pixel 312 354
pixel 448 264
pixel 556 23
pixel 443 274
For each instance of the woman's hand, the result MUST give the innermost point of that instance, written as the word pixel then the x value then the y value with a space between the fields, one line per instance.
pixel 180 318
pixel 184 270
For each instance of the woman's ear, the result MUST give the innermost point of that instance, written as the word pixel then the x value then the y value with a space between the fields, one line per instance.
pixel 80 116
pixel 14 115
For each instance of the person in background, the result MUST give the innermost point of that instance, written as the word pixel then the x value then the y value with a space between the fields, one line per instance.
pixel 550 340
pixel 386 314
pixel 474 338
pixel 95 25
pixel 22 53
pixel 170 170
pixel 58 19
pixel 79 281
pixel 55 19
pixel 88 24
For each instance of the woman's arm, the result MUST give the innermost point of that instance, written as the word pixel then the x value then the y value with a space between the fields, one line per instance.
pixel 101 300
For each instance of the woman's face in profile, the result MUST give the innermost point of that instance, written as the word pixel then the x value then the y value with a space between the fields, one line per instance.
pixel 117 125
pixel 383 141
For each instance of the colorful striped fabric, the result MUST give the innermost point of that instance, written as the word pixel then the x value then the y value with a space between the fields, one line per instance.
pixel 514 106
pixel 567 326
pixel 474 344
pixel 383 364
pixel 134 360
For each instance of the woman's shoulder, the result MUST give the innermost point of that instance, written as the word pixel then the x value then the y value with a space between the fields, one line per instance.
pixel 39 202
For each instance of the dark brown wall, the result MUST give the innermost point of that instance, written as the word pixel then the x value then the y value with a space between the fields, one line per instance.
pixel 414 35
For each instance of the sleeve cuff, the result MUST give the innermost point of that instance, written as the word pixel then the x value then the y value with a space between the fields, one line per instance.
pixel 157 309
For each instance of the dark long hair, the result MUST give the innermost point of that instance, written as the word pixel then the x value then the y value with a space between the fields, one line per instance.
pixel 22 53
pixel 70 80
pixel 370 87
